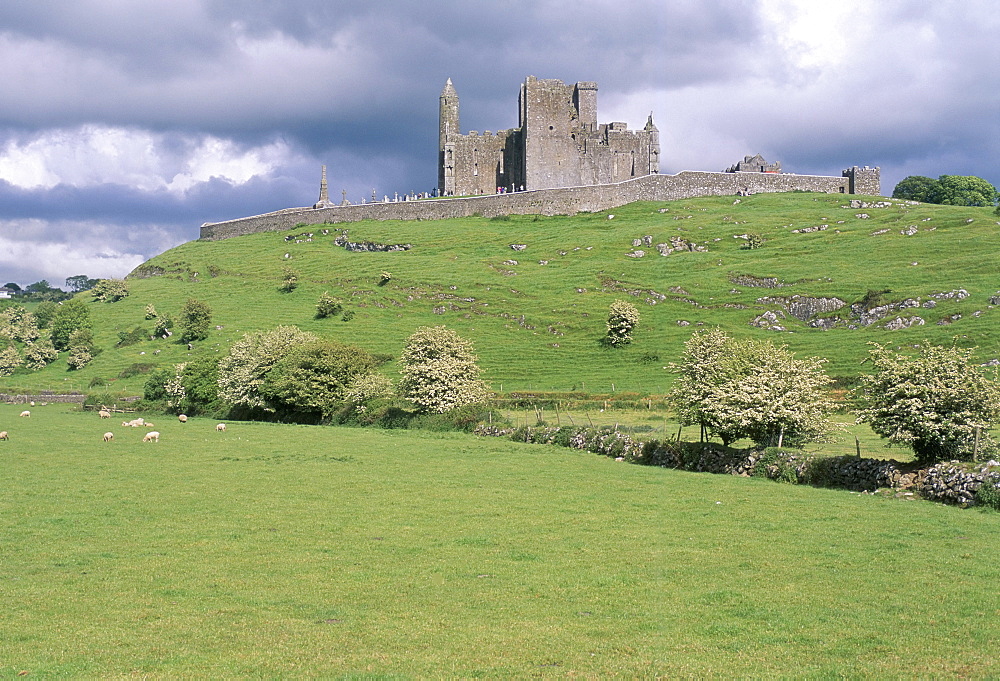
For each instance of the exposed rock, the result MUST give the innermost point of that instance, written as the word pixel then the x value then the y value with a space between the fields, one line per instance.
pixel 804 308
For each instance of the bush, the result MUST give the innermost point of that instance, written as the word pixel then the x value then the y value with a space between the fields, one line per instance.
pixel 439 371
pixel 934 402
pixel 45 312
pixel 195 321
pixel 753 241
pixel 150 311
pixel 136 369
pixel 110 290
pixel 81 349
pixel 161 329
pixel 750 389
pixel 623 317
pixel 10 359
pixel 242 371
pixel 988 493
pixel 136 335
pixel 327 306
pixel 289 280
pixel 38 354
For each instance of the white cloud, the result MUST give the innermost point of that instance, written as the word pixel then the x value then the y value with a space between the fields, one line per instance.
pixel 93 155
pixel 89 252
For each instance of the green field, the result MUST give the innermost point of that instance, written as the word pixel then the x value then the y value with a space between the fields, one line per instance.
pixel 286 551
pixel 537 325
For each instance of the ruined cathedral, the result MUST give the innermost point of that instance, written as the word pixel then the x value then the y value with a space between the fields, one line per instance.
pixel 558 143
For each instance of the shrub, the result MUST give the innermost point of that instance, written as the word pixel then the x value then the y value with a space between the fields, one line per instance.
pixel 439 371
pixel 136 369
pixel 38 354
pixel 81 349
pixel 10 359
pixel 384 278
pixel 988 493
pixel 136 335
pixel 195 321
pixel 622 320
pixel 161 329
pixel 347 316
pixel 150 311
pixel 934 402
pixel 753 240
pixel 45 312
pixel 327 306
pixel 289 280
pixel 110 290
pixel 751 389
pixel 242 371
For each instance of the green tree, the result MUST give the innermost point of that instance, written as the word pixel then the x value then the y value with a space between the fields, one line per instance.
pixel 751 389
pixel 45 312
pixel 934 401
pixel 439 371
pixel 314 378
pixel 195 321
pixel 623 317
pixel 80 282
pixel 243 369
pixel 71 315
pixel 916 188
pixel 965 190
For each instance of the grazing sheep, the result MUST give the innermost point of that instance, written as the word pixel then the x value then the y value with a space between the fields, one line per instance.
pixel 108 437
pixel 151 436
pixel 221 427
pixel 104 414
pixel 3 435
pixel 182 418
pixel 25 413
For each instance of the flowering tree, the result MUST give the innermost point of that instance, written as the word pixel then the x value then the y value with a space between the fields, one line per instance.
pixel 242 371
pixel 935 402
pixel 623 317
pixel 440 371
pixel 751 389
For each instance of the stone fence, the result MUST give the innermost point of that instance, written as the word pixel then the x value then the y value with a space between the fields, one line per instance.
pixel 44 397
pixel 565 201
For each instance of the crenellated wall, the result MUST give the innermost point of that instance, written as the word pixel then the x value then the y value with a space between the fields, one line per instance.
pixel 565 201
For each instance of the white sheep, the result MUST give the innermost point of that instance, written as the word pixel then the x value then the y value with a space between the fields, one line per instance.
pixel 182 418
pixel 3 435
pixel 148 424
pixel 151 436
pixel 221 427
pixel 25 413
pixel 108 437
pixel 104 414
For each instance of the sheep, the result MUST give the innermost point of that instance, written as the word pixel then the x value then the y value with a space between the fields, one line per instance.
pixel 182 418
pixel 3 435
pixel 151 436
pixel 221 427
pixel 148 424
pixel 25 413
pixel 104 414
pixel 108 437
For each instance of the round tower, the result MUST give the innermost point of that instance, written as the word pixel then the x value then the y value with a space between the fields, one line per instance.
pixel 448 130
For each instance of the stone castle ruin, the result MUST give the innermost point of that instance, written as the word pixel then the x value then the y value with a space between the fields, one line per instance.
pixel 558 143
pixel 558 161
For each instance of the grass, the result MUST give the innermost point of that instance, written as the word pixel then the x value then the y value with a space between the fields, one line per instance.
pixel 278 550
pixel 538 326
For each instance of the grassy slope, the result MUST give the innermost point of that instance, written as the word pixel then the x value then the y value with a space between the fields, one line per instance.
pixel 276 550
pixel 556 344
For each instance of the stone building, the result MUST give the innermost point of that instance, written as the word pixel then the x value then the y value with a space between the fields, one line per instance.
pixel 558 143
pixel 754 164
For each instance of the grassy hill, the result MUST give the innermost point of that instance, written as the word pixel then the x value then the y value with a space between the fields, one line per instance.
pixel 537 324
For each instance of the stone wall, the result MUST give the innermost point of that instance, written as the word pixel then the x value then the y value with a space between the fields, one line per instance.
pixel 42 398
pixel 565 201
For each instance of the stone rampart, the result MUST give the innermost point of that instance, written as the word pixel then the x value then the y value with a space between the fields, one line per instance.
pixel 564 201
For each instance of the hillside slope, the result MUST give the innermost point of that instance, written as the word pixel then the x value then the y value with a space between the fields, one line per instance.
pixel 537 315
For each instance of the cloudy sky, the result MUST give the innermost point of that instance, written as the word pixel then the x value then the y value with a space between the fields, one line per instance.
pixel 125 124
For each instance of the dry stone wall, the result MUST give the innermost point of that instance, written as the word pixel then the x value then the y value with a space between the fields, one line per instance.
pixel 565 201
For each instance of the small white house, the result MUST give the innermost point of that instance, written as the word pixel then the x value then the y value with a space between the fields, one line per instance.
pixel 6 292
